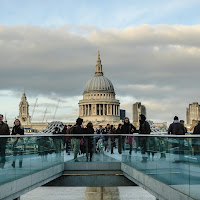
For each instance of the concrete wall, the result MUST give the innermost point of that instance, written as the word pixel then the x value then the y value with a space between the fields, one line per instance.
pixel 158 189
pixel 23 185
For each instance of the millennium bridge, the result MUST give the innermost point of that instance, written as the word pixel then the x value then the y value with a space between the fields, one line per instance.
pixel 168 169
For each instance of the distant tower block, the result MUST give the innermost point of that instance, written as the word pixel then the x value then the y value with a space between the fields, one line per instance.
pixel 99 103
pixel 193 113
pixel 138 109
pixel 24 116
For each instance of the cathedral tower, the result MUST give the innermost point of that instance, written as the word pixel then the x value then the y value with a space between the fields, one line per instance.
pixel 24 116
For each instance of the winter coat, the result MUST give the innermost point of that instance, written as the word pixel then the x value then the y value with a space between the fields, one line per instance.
pixel 4 130
pixel 144 128
pixel 128 128
pixel 197 129
pixel 17 130
pixel 176 128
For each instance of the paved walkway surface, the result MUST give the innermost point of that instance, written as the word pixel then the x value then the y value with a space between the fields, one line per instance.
pixel 82 193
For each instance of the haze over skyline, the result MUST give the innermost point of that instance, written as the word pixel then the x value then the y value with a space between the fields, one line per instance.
pixel 149 50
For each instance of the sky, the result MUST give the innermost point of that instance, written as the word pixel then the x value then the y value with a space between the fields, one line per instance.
pixel 150 50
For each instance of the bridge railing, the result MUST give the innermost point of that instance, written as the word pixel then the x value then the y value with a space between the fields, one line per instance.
pixel 21 156
pixel 170 159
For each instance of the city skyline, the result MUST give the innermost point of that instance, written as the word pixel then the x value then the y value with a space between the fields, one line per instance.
pixel 52 54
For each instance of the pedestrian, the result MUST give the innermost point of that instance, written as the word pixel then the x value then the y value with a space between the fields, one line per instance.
pixel 106 138
pixel 176 128
pixel 144 128
pixel 18 143
pixel 57 140
pixel 119 131
pixel 88 140
pixel 4 130
pixel 196 141
pixel 128 128
pixel 76 129
pixel 183 122
pixel 112 138
pixel 68 140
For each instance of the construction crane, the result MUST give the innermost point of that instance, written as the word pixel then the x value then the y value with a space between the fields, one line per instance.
pixel 34 108
pixel 44 115
pixel 56 109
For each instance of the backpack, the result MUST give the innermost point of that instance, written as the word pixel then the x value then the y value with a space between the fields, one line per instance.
pixel 71 130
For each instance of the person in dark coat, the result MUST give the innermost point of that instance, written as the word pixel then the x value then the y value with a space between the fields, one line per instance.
pixel 89 140
pixel 76 141
pixel 57 140
pixel 119 131
pixel 112 138
pixel 177 128
pixel 183 122
pixel 19 142
pixel 144 128
pixel 106 138
pixel 4 130
pixel 128 128
pixel 196 141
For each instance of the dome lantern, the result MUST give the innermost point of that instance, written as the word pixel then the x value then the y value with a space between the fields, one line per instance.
pixel 98 66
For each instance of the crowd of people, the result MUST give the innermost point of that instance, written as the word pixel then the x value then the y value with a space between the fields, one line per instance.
pixel 97 140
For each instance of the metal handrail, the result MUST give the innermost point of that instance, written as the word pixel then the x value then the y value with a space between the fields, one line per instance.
pixel 157 134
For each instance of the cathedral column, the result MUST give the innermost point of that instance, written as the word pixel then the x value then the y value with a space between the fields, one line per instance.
pixel 97 109
pixel 114 110
pixel 103 109
pixel 95 106
pixel 107 109
pixel 88 109
pixel 85 110
pixel 117 110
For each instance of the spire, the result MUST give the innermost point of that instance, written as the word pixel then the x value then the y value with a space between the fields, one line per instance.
pixel 98 66
pixel 24 95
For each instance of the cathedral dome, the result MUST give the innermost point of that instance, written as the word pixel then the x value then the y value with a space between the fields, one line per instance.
pixel 99 84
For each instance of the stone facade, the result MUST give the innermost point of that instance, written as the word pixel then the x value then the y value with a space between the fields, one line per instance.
pixel 193 113
pixel 24 116
pixel 99 104
pixel 138 109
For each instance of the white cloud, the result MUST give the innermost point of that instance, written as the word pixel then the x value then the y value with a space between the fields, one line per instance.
pixel 158 65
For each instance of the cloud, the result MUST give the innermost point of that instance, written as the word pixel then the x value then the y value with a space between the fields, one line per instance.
pixel 155 64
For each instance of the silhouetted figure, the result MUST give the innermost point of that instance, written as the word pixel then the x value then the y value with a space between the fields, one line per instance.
pixel 76 129
pixel 89 140
pixel 196 142
pixel 106 138
pixel 143 129
pixel 176 128
pixel 18 144
pixel 4 130
pixel 119 131
pixel 128 128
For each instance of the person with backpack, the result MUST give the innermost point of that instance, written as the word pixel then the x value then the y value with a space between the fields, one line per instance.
pixel 144 129
pixel 177 128
pixel 76 141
